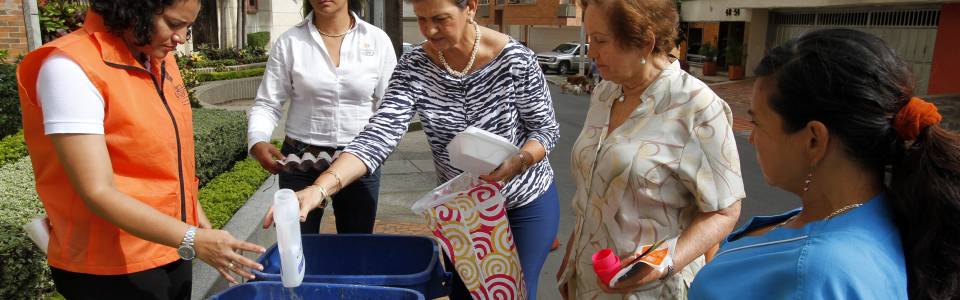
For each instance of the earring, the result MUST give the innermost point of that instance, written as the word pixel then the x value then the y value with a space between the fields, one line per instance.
pixel 806 183
pixel 643 61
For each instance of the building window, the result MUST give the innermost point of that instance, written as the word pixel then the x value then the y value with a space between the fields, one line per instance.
pixel 252 6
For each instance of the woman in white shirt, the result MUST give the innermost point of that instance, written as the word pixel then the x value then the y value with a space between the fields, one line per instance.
pixel 334 68
pixel 656 157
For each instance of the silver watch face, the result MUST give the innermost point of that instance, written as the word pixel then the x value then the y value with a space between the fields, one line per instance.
pixel 186 253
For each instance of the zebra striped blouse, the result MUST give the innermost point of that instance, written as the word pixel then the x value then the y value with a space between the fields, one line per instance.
pixel 508 97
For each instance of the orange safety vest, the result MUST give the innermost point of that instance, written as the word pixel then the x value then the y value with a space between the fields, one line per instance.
pixel 148 128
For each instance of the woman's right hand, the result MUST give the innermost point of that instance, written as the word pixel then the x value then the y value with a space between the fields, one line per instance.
pixel 267 154
pixel 218 249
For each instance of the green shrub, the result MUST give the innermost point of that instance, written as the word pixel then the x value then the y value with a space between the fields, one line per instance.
pixel 57 18
pixel 258 40
pixel 215 76
pixel 215 63
pixel 221 140
pixel 12 148
pixel 9 101
pixel 259 58
pixel 708 52
pixel 225 194
pixel 734 53
pixel 24 272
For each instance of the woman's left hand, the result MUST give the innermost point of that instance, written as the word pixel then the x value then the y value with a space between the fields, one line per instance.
pixel 642 277
pixel 507 170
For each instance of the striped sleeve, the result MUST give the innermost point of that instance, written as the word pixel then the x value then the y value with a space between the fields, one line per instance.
pixel 535 105
pixel 380 137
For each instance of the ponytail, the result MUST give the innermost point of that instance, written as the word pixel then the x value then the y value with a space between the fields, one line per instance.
pixel 925 190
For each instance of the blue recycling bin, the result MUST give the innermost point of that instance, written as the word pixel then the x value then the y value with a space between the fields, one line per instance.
pixel 411 262
pixel 266 290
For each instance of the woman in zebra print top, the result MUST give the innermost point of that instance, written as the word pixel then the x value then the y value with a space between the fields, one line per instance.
pixel 500 88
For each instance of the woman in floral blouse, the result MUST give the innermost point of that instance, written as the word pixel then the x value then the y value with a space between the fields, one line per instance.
pixel 656 158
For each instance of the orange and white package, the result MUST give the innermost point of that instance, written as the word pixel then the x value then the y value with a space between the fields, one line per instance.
pixel 659 259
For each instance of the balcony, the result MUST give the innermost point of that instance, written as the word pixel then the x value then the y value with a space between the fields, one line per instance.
pixel 567 11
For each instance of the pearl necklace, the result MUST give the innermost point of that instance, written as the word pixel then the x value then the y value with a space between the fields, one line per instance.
pixel 352 24
pixel 473 54
pixel 833 214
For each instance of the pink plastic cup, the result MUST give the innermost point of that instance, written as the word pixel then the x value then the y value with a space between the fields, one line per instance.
pixel 606 264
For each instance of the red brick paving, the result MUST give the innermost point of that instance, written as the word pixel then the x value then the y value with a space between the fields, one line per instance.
pixel 737 95
pixel 329 226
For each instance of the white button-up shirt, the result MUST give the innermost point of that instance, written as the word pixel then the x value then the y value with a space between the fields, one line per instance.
pixel 329 105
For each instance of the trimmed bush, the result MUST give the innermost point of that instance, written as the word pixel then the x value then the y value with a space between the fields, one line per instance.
pixel 12 148
pixel 221 140
pixel 215 63
pixel 9 100
pixel 215 76
pixel 24 272
pixel 257 42
pixel 225 194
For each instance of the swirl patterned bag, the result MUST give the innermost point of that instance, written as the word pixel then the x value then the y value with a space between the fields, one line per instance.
pixel 468 219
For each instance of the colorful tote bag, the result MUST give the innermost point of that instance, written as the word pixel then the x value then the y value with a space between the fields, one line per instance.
pixel 469 220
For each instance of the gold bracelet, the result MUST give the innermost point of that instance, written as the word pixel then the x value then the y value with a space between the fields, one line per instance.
pixel 339 182
pixel 326 196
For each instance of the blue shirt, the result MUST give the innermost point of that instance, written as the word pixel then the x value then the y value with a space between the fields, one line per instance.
pixel 856 255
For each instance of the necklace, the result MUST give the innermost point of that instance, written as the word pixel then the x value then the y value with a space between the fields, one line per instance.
pixel 352 24
pixel 473 54
pixel 833 214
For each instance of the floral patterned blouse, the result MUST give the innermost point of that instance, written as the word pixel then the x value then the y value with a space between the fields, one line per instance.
pixel 673 157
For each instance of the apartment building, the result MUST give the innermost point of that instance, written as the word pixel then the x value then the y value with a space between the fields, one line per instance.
pixel 923 32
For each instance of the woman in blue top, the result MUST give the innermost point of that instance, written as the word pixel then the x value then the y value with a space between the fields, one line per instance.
pixel 837 124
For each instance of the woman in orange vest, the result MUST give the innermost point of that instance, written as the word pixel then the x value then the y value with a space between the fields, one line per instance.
pixel 108 125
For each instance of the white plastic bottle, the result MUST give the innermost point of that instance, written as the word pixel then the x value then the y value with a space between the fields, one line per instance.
pixel 286 215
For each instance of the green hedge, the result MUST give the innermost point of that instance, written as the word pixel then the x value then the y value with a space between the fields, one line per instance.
pixel 223 196
pixel 215 76
pixel 9 100
pixel 12 148
pixel 215 63
pixel 258 40
pixel 219 135
pixel 24 271
pixel 221 139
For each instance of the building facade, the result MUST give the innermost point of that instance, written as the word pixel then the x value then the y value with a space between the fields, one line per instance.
pixel 922 32
pixel 13 34
pixel 540 24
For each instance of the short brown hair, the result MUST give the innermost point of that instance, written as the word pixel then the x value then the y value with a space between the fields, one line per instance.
pixel 631 20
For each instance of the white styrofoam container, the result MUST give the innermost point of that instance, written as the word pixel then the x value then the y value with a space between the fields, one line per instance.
pixel 478 151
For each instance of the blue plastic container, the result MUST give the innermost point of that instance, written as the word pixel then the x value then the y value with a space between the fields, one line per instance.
pixel 402 261
pixel 274 290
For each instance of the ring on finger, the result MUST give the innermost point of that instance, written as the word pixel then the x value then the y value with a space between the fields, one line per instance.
pixel 230 265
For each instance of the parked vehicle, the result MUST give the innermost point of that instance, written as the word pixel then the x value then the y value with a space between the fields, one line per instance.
pixel 564 58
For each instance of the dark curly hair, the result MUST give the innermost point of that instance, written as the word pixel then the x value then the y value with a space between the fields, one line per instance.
pixel 121 15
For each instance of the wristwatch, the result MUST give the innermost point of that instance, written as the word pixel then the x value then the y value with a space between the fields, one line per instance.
pixel 186 251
